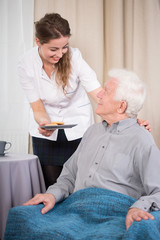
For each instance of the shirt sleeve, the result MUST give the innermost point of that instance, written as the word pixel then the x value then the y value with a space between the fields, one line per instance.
pixel 149 172
pixel 66 182
pixel 85 73
pixel 27 81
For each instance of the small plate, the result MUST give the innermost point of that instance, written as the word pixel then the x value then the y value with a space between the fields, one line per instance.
pixel 51 127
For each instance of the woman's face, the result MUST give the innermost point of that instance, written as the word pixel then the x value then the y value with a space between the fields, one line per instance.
pixel 54 50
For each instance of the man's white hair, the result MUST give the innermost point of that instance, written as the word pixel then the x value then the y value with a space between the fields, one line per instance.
pixel 130 89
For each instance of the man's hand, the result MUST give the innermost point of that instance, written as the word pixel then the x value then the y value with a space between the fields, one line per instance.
pixel 47 199
pixel 136 214
pixel 144 123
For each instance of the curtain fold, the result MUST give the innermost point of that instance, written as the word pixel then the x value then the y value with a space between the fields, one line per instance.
pixel 16 27
pixel 133 42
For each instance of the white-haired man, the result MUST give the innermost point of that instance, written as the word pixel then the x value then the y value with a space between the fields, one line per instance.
pixel 116 154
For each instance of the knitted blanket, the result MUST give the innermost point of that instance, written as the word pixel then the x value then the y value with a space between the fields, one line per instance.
pixel 91 213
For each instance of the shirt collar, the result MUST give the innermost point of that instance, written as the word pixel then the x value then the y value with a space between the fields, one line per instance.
pixel 120 125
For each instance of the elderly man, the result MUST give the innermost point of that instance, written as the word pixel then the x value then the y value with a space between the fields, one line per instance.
pixel 116 154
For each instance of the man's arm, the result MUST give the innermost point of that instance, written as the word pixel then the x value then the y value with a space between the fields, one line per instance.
pixel 149 173
pixel 64 186
pixel 59 190
pixel 66 182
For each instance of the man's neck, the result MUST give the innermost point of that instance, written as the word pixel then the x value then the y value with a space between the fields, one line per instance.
pixel 111 121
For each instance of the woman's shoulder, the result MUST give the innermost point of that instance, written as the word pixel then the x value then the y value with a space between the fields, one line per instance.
pixel 29 56
pixel 76 58
pixel 75 52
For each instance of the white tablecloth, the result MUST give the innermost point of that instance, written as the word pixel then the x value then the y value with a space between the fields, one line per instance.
pixel 20 179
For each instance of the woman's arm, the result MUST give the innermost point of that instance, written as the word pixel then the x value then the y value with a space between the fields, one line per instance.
pixel 93 94
pixel 41 117
pixel 40 114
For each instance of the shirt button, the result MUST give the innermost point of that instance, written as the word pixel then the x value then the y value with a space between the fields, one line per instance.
pixel 145 208
pixel 102 146
pixel 90 176
pixel 96 163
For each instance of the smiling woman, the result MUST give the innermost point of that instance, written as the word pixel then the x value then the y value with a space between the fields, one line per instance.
pixel 56 80
pixel 52 52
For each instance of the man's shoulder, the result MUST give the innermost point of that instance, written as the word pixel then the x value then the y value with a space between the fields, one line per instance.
pixel 95 128
pixel 143 135
pixel 97 125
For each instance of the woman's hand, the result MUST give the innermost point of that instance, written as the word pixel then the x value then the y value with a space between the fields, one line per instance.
pixel 144 123
pixel 47 199
pixel 45 132
pixel 41 117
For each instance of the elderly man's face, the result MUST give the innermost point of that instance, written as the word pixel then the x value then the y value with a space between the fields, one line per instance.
pixel 107 106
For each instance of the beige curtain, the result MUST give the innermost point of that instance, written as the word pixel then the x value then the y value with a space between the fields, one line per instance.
pixel 132 40
pixel 116 33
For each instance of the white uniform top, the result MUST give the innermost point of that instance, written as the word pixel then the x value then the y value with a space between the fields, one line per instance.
pixel 72 108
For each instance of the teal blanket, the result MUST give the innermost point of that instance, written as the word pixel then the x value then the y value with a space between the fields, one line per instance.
pixel 91 213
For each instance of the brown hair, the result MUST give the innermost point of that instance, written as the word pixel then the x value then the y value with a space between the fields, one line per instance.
pixel 53 26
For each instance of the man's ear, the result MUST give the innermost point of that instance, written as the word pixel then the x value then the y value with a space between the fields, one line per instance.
pixel 38 42
pixel 122 107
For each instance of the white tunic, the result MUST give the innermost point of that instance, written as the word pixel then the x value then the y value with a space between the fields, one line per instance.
pixel 72 108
